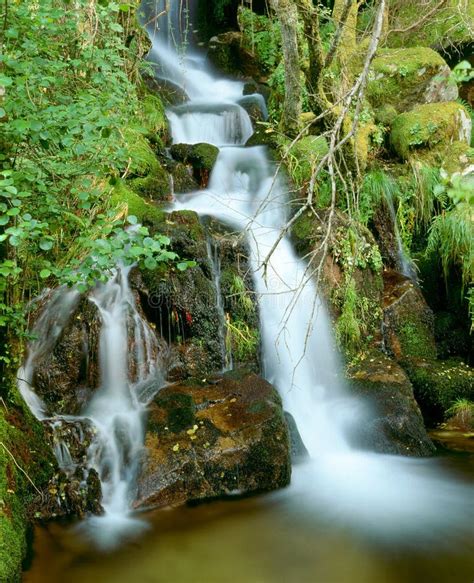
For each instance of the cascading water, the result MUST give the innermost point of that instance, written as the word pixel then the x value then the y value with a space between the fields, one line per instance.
pixel 386 495
pixel 129 376
pixel 406 265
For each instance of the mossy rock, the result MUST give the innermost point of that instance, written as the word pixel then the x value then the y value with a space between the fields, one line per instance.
pixel 303 156
pixel 392 421
pixel 232 438
pixel 24 438
pixel 404 78
pixel 351 276
pixel 201 157
pixel 451 26
pixel 439 384
pixel 408 320
pixel 431 131
pixel 131 203
pixel 155 186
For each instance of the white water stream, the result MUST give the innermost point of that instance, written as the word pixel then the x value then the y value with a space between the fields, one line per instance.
pixel 385 496
pixel 129 376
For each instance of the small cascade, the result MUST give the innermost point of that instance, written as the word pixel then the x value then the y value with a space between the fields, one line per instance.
pixel 214 258
pixel 406 265
pixel 113 419
pixel 220 125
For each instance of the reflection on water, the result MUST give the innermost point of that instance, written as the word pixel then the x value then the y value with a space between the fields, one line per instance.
pixel 257 540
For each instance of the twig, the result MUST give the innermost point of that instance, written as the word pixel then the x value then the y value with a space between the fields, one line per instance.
pixel 21 469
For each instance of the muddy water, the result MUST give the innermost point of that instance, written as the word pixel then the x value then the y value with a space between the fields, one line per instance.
pixel 257 540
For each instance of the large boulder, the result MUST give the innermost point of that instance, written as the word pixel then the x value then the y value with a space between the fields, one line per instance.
pixel 437 133
pixel 404 78
pixel 213 439
pixel 393 423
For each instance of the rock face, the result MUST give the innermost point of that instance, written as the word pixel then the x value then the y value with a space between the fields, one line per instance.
pixel 227 54
pixel 394 422
pixel 404 78
pixel 65 376
pixel 75 490
pixel 408 320
pixel 214 439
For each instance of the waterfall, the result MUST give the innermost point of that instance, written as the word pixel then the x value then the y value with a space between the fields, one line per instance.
pixel 406 265
pixel 385 496
pixel 213 254
pixel 129 375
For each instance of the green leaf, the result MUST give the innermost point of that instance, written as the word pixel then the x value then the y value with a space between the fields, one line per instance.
pixel 132 219
pixel 44 273
pixel 150 263
pixel 46 244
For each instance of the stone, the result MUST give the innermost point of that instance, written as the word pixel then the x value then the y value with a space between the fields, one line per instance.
pixel 217 438
pixel 65 377
pixel 408 320
pixel 171 93
pixel 227 53
pixel 182 304
pixel 407 77
pixel 200 157
pixel 393 423
pixel 297 448
pixel 436 133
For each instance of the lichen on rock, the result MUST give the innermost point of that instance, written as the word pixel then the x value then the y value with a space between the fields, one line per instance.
pixel 212 439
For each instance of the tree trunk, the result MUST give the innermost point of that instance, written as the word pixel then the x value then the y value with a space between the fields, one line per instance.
pixel 287 14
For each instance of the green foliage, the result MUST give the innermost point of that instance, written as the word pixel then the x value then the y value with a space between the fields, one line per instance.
pixel 451 234
pixel 377 186
pixel 352 251
pixel 242 341
pixel 73 124
pixel 463 72
pixel 262 36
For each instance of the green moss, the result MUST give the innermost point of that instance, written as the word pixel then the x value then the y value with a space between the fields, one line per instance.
pixel 302 158
pixel 153 114
pixel 416 340
pixel 25 441
pixel 180 410
pixel 143 159
pixel 439 384
pixel 155 186
pixel 429 130
pixel 122 196
pixel 201 156
pixel 452 24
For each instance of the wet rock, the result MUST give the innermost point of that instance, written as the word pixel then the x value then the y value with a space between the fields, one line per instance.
pixel 75 490
pixel 252 87
pixel 182 304
pixel 200 157
pixel 171 93
pixel 242 334
pixel 254 106
pixel 407 77
pixel 393 422
pixel 297 447
pixel 212 439
pixel 408 320
pixel 227 54
pixel 65 376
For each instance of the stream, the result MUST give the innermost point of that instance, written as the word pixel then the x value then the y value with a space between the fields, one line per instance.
pixel 348 515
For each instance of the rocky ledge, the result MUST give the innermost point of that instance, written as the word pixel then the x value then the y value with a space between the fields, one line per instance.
pixel 211 439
